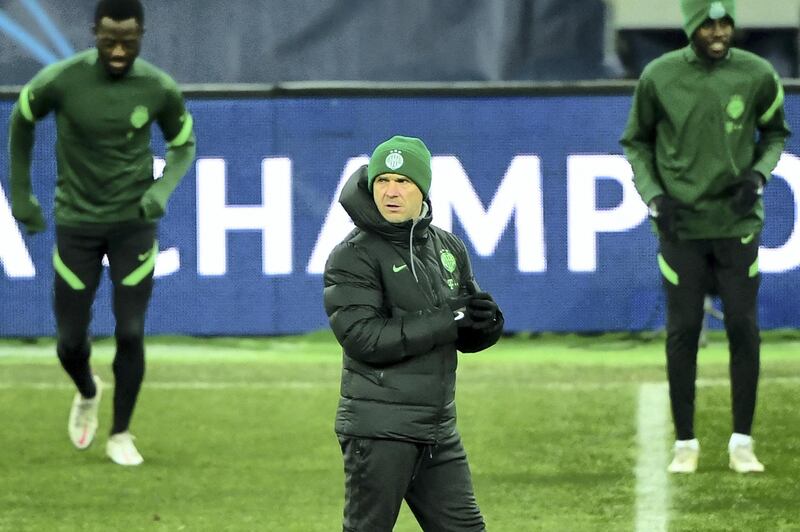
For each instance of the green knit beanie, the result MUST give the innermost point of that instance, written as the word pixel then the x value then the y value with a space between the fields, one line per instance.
pixel 695 12
pixel 406 156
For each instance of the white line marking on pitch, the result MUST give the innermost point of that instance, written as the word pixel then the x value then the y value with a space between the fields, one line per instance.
pixel 652 485
pixel 299 385
pixel 220 385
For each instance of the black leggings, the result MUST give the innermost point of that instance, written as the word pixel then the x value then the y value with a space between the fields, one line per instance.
pixel 131 251
pixel 691 269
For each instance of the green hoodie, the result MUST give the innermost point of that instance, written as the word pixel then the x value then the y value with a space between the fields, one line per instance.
pixel 696 126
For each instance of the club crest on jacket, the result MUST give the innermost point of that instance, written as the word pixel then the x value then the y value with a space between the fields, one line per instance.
pixel 139 116
pixel 735 107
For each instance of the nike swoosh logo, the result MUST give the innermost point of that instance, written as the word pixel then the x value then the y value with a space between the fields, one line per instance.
pixel 396 269
pixel 457 315
pixel 747 239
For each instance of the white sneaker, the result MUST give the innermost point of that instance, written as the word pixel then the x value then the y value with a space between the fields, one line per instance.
pixel 121 450
pixel 82 424
pixel 685 457
pixel 743 459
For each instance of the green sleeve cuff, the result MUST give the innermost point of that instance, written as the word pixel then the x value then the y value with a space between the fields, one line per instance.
pixel 25 104
pixel 765 172
pixel 649 191
pixel 185 133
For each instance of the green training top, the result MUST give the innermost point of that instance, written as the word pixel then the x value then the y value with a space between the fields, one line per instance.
pixel 696 126
pixel 105 163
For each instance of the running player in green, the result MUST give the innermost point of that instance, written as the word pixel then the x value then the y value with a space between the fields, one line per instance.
pixel 106 202
pixel 705 131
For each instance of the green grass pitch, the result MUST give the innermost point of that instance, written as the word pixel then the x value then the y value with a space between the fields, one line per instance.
pixel 237 434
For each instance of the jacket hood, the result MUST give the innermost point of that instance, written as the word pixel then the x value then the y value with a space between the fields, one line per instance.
pixel 359 204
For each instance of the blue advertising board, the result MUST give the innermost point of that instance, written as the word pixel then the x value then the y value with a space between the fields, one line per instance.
pixel 535 185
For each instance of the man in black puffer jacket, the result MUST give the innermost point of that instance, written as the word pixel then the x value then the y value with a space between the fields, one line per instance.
pixel 401 299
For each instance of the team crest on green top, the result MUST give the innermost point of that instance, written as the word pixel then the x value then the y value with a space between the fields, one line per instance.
pixel 448 261
pixel 139 116
pixel 735 107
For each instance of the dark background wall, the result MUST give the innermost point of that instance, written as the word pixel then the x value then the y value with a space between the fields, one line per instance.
pixel 267 41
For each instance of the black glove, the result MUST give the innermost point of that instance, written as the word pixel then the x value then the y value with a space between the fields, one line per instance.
pixel 29 214
pixel 747 192
pixel 459 307
pixel 667 213
pixel 482 310
pixel 152 206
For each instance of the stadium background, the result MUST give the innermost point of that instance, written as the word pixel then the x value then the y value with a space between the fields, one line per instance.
pixel 564 431
pixel 310 86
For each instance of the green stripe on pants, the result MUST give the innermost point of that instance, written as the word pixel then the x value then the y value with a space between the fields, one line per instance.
pixel 753 268
pixel 65 273
pixel 667 271
pixel 144 269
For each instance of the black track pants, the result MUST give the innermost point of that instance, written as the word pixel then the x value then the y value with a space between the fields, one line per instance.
pixel 131 250
pixel 691 269
pixel 435 481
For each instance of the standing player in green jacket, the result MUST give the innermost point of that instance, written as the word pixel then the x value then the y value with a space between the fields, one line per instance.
pixel 106 203
pixel 401 299
pixel 705 131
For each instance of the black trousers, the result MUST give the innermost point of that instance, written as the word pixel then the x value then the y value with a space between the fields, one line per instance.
pixel 435 482
pixel 690 270
pixel 131 250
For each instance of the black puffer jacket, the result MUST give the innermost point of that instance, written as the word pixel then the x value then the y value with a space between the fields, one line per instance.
pixel 387 304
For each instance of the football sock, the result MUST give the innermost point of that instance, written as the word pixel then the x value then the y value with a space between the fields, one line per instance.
pixel 128 375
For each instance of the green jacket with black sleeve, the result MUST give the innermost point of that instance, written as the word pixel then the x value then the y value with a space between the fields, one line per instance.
pixel 386 292
pixel 103 154
pixel 696 126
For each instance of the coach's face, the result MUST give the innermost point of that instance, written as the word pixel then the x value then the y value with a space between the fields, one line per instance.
pixel 397 197
pixel 118 43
